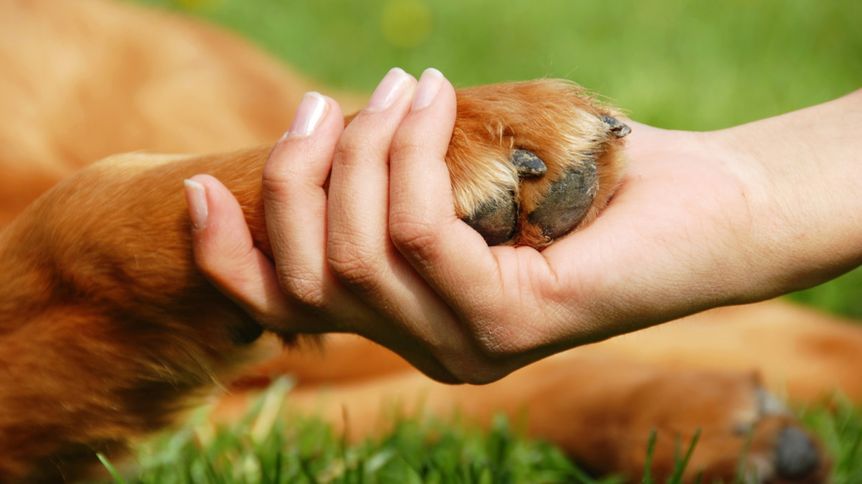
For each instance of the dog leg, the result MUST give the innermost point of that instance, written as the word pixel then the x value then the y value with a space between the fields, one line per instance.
pixel 106 326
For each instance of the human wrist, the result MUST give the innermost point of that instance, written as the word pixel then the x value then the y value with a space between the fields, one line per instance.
pixel 801 172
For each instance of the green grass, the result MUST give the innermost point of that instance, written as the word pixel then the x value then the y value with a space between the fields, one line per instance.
pixel 675 64
pixel 839 427
pixel 264 448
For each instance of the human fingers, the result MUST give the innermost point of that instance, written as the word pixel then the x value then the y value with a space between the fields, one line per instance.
pixel 224 251
pixel 295 185
pixel 422 222
pixel 358 246
pixel 294 195
pixel 358 189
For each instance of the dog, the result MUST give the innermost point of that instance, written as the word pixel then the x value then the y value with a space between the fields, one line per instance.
pixel 108 330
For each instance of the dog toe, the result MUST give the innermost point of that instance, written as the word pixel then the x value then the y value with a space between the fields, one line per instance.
pixel 496 220
pixel 567 201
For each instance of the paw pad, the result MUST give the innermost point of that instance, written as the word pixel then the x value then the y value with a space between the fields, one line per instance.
pixel 567 201
pixel 532 161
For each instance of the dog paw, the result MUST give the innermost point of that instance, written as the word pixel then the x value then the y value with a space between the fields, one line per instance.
pixel 639 418
pixel 532 161
pixel 778 449
pixel 745 434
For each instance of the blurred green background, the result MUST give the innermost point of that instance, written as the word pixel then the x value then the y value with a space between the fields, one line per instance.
pixel 671 63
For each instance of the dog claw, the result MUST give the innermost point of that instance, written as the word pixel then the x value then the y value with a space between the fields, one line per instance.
pixel 528 164
pixel 567 202
pixel 616 128
pixel 495 220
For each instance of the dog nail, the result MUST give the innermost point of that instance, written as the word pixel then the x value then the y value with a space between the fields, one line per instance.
pixel 616 128
pixel 528 164
pixel 196 197
pixel 567 201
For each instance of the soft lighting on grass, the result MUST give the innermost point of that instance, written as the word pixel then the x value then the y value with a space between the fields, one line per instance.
pixel 304 449
pixel 266 447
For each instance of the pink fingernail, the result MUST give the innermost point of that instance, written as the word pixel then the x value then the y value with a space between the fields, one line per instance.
pixel 309 114
pixel 391 88
pixel 426 91
pixel 196 197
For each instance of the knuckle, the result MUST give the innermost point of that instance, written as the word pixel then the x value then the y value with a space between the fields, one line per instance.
pixel 403 146
pixel 347 149
pixel 477 372
pixel 355 272
pixel 500 338
pixel 276 183
pixel 498 347
pixel 411 234
pixel 351 264
pixel 474 365
pixel 484 378
pixel 304 289
pixel 369 133
pixel 356 145
pixel 494 348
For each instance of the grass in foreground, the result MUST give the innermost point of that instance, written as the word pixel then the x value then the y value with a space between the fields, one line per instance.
pixel 839 426
pixel 264 448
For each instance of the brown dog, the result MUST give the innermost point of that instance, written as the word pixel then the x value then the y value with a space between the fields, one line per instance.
pixel 107 328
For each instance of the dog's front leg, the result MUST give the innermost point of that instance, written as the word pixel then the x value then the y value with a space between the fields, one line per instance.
pixel 106 327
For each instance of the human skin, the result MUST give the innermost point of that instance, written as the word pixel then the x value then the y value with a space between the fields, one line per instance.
pixel 701 220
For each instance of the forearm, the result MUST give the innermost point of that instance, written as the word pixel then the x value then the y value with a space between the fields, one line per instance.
pixel 805 170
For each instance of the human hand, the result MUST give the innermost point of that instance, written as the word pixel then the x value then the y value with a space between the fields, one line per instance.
pixel 313 233
pixel 403 270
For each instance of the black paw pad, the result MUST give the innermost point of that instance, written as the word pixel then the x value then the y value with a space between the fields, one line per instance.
pixel 567 201
pixel 495 220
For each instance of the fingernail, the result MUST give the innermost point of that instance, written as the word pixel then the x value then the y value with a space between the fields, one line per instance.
pixel 310 112
pixel 389 90
pixel 196 197
pixel 426 91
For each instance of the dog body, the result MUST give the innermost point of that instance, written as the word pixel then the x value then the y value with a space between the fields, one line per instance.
pixel 107 328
